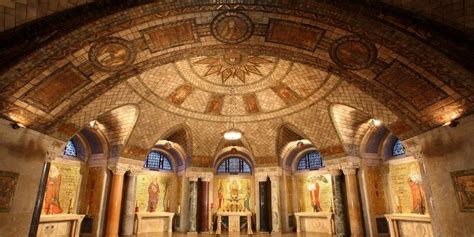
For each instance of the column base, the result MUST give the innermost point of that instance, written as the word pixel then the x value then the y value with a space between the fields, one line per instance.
pixel 192 233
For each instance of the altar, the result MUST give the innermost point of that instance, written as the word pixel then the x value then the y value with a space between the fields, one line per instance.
pixel 315 222
pixel 234 221
pixel 60 225
pixel 403 225
pixel 153 222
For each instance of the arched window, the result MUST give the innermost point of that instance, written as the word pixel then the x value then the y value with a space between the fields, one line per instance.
pixel 157 161
pixel 234 165
pixel 398 148
pixel 310 161
pixel 70 149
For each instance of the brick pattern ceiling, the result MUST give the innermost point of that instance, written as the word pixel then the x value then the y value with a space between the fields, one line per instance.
pixel 195 64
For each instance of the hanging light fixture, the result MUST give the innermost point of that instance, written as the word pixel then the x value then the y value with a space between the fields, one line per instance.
pixel 232 133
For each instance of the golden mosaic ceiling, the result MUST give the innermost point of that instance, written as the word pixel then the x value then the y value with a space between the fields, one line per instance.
pixel 192 65
pixel 246 87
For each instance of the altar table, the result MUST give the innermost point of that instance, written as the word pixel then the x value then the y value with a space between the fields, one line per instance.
pixel 153 222
pixel 315 222
pixel 60 225
pixel 402 225
pixel 234 221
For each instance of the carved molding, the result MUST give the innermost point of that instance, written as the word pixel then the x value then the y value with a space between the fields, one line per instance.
pixel 134 171
pixel 351 170
pixel 334 170
pixel 118 169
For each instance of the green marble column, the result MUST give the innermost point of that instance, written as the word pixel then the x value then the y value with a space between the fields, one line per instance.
pixel 192 205
pixel 338 209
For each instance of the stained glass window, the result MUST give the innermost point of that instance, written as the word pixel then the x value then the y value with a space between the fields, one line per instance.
pixel 157 161
pixel 234 165
pixel 311 160
pixel 70 149
pixel 398 148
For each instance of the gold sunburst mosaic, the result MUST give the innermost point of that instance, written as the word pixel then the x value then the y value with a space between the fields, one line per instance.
pixel 233 64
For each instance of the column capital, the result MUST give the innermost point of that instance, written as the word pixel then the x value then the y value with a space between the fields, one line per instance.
pixel 274 178
pixel 193 178
pixel 134 171
pixel 351 170
pixel 207 177
pixel 334 170
pixel 118 169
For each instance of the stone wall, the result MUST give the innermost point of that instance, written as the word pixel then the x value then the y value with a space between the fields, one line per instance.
pixel 22 151
pixel 447 149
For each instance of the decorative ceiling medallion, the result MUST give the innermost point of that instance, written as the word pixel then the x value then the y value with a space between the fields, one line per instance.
pixel 352 52
pixel 233 64
pixel 231 27
pixel 112 54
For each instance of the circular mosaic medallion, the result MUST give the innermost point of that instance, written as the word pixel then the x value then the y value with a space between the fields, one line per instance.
pixel 231 27
pixel 112 54
pixel 353 52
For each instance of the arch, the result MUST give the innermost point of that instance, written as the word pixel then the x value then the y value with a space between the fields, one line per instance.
pixel 310 160
pixel 233 151
pixel 242 142
pixel 373 140
pixel 300 154
pixel 158 161
pixel 95 139
pixel 287 133
pixel 88 142
pixel 233 164
pixel 381 141
pixel 351 125
pixel 292 150
pixel 174 151
pixel 181 136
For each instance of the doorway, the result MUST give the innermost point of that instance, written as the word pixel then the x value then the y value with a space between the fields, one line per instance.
pixel 265 206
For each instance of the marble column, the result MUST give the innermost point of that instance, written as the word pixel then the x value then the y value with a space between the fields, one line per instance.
pixel 115 201
pixel 353 202
pixel 39 200
pixel 192 204
pixel 204 215
pixel 128 215
pixel 338 209
pixel 276 225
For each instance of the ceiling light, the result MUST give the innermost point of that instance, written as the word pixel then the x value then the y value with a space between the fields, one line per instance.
pixel 376 122
pixel 232 135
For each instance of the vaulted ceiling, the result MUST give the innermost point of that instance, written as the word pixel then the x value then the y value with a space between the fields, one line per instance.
pixel 183 71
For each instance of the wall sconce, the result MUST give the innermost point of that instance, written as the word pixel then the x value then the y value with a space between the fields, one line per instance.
pixel 94 124
pixel 453 123
pixel 376 122
pixel 17 125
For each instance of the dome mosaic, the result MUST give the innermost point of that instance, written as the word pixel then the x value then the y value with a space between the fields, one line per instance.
pixel 262 87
